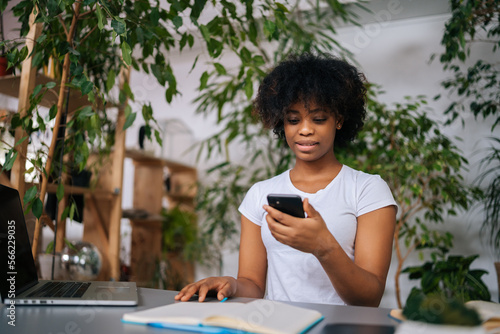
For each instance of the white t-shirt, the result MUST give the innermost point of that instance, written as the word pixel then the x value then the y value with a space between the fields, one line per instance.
pixel 293 275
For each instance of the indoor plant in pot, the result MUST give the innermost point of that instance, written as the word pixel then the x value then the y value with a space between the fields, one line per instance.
pixel 473 90
pixel 3 55
pixel 440 303
pixel 436 313
pixel 181 246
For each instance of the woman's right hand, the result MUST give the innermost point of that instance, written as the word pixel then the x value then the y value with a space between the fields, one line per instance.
pixel 224 287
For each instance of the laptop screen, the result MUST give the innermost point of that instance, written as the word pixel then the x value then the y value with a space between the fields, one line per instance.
pixel 17 266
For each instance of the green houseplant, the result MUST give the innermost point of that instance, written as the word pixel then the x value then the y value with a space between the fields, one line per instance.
pixel 451 277
pixel 438 309
pixel 180 233
pixel 180 248
pixel 473 89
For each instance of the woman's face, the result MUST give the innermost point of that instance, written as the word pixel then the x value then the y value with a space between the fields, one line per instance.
pixel 310 131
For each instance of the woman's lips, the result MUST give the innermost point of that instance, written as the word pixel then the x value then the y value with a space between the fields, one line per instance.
pixel 306 146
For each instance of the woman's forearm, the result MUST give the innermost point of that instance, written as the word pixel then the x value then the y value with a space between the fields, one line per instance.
pixel 245 287
pixel 355 285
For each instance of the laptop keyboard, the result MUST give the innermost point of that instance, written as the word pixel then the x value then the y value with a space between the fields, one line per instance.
pixel 61 289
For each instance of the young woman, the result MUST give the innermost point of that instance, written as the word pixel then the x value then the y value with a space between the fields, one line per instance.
pixel 341 252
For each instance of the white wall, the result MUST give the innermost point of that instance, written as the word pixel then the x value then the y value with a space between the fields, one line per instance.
pixel 392 53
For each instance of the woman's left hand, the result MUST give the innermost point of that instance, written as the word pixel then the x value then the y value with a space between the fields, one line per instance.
pixel 309 235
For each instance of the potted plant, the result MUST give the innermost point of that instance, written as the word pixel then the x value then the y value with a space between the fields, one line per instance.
pixel 3 54
pixel 451 297
pixel 179 232
pixel 451 277
pixel 435 313
pixel 472 89
pixel 181 246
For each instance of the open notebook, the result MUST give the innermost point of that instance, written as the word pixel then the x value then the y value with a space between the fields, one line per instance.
pixel 17 268
pixel 259 316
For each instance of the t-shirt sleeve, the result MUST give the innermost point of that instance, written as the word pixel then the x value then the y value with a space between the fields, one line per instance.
pixel 251 206
pixel 374 193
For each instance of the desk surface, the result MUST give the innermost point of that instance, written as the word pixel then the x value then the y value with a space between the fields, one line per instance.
pixel 107 320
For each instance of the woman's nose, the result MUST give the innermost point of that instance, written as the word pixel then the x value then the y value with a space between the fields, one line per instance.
pixel 306 128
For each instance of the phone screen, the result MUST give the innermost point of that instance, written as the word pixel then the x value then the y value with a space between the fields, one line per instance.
pixel 289 204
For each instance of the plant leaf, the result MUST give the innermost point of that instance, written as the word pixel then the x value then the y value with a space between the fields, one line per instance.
pixel 60 191
pixel 37 207
pixel 119 26
pixel 126 53
pixel 129 117
pixel 101 18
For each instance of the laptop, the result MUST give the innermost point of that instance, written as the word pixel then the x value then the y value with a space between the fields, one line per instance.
pixel 17 269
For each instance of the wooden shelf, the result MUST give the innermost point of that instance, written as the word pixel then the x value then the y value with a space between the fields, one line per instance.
pixel 141 215
pixel 75 190
pixel 148 195
pixel 180 197
pixel 145 157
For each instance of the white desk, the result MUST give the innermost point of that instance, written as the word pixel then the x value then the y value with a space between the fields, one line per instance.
pixel 107 320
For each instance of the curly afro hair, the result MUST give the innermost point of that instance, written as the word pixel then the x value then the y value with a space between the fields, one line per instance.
pixel 330 82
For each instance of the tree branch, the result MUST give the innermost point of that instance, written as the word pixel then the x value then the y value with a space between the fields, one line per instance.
pixel 63 25
pixel 88 34
pixel 82 15
pixel 60 104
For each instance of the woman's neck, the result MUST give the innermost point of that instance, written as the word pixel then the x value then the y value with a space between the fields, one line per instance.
pixel 313 176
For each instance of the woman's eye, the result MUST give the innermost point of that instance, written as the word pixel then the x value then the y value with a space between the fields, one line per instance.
pixel 292 121
pixel 320 120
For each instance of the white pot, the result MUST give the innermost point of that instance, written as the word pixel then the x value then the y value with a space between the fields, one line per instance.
pixel 417 327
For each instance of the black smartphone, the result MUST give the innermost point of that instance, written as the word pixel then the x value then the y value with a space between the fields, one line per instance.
pixel 289 204
pixel 357 329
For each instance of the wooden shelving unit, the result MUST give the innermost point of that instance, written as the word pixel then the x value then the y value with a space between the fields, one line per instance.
pixel 108 192
pixel 21 87
pixel 103 204
pixel 149 192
